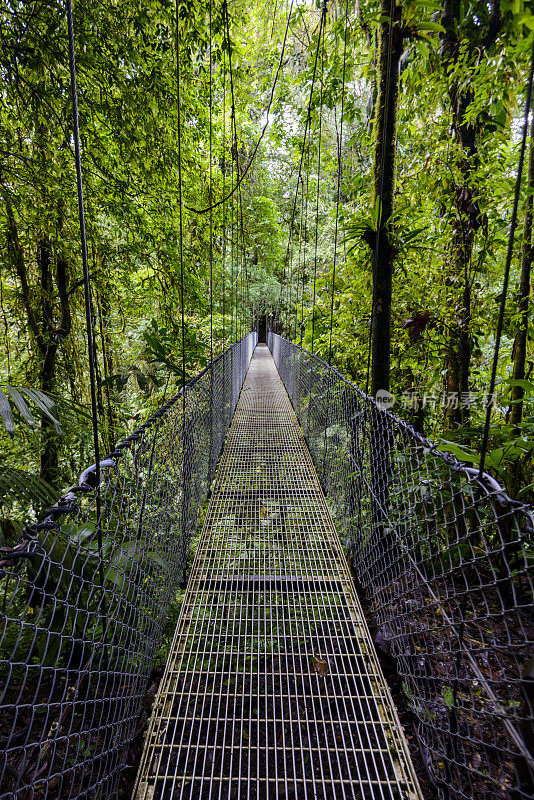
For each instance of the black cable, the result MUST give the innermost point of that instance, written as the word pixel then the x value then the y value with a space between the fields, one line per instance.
pixel 241 178
pixel 87 298
pixel 233 148
pixel 509 255
pixel 180 204
pixel 300 262
pixel 239 211
pixel 224 207
pixel 212 388
pixel 305 241
pixel 232 259
pixel 339 144
pixel 306 129
pixel 211 186
pixel 339 139
pixel 290 304
pixel 318 185
pixel 181 250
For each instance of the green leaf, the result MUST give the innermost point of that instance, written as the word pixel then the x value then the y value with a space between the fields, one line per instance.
pixel 44 403
pixel 431 26
pixel 528 22
pixel 528 386
pixel 456 450
pixel 17 485
pixel 448 696
pixel 21 405
pixel 7 414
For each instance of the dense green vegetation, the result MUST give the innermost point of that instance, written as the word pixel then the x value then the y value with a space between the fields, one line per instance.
pixel 456 93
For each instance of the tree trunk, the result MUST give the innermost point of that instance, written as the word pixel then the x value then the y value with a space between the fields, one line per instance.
pixel 52 334
pixel 49 445
pixel 467 221
pixel 104 313
pixel 46 333
pixel 384 187
pixel 519 352
pixel 382 538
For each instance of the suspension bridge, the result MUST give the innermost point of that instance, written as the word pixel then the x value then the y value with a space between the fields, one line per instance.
pixel 273 686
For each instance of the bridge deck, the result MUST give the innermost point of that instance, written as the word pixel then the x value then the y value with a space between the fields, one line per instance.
pixel 272 688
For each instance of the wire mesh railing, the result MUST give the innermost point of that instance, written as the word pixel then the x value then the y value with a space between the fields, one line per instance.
pixel 85 601
pixel 446 562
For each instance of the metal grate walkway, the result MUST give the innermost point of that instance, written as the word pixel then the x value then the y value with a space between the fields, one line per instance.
pixel 272 688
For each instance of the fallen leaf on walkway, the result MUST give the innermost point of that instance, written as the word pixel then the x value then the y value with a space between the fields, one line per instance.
pixel 320 665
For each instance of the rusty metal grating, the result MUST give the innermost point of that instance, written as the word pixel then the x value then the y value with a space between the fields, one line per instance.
pixel 272 688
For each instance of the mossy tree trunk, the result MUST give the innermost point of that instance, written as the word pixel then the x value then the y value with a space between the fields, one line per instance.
pixel 385 126
pixel 51 332
pixel 390 52
pixel 458 347
pixel 47 309
pixel 467 217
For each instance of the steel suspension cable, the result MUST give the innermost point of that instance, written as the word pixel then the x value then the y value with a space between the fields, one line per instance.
pixel 339 145
pixel 182 295
pixel 224 205
pixel 212 388
pixel 318 185
pixel 180 199
pixel 87 299
pixel 508 263
pixel 294 305
pixel 241 178
pixel 299 262
pixel 239 210
pixel 211 183
pixel 289 290
pixel 305 242
pixel 339 141
pixel 232 262
pixel 304 138
pixel 233 138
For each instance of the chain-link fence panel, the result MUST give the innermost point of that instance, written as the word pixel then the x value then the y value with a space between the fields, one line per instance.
pixel 85 596
pixel 446 561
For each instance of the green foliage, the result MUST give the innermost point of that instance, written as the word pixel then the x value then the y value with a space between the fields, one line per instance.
pixel 240 255
pixel 45 404
pixel 17 485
